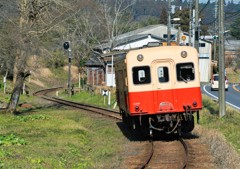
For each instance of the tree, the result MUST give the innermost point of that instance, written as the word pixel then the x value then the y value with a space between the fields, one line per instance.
pixel 163 16
pixel 34 19
pixel 31 27
pixel 104 20
pixel 234 28
pixel 82 36
pixel 184 20
pixel 114 17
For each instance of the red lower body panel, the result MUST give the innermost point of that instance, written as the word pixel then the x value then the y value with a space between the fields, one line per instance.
pixel 164 101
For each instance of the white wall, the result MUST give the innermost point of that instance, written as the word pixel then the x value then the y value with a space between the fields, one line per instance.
pixel 110 76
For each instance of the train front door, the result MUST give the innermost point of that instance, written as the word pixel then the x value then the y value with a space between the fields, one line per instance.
pixel 164 85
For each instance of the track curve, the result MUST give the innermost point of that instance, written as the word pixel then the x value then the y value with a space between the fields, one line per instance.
pixel 106 112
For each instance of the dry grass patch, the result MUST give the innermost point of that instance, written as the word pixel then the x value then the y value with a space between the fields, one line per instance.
pixel 225 156
pixel 222 134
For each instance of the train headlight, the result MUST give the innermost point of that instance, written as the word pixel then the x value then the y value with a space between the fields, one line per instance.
pixel 140 57
pixel 184 54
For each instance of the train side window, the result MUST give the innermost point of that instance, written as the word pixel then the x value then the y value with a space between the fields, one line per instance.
pixel 141 75
pixel 185 72
pixel 163 75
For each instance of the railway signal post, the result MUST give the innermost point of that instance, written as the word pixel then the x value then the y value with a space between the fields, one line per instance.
pixel 66 46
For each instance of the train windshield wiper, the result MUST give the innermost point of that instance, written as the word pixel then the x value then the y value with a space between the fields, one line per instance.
pixel 183 79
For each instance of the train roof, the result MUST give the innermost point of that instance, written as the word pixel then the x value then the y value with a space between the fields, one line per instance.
pixel 122 53
pixel 147 51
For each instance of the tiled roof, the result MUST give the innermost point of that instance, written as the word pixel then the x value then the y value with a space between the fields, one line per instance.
pixel 94 60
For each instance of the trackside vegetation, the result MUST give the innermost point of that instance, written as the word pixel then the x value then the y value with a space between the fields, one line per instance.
pixel 229 125
pixel 56 137
pixel 95 98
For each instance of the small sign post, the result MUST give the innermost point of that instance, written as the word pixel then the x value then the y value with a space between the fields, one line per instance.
pixel 4 82
pixel 109 99
pixel 104 94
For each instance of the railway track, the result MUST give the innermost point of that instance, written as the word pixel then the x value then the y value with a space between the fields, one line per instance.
pixel 152 154
pixel 161 154
pixel 106 112
pixel 178 153
pixel 173 154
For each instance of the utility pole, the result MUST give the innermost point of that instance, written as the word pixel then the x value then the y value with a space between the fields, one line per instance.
pixel 196 44
pixel 215 31
pixel 169 23
pixel 221 61
pixel 190 23
pixel 193 27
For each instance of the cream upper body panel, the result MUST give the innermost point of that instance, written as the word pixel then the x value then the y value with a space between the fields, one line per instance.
pixel 171 55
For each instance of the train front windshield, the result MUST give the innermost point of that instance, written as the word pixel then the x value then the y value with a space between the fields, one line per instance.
pixel 163 75
pixel 185 72
pixel 141 75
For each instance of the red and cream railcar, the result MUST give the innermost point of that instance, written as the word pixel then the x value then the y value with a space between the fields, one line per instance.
pixel 159 87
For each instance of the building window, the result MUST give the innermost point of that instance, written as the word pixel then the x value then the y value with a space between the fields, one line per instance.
pixel 141 75
pixel 185 72
pixel 163 75
pixel 202 45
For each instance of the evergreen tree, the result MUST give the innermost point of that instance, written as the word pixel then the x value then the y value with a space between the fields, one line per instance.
pixel 163 16
pixel 184 18
pixel 234 29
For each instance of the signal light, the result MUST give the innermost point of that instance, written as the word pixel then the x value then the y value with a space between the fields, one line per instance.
pixel 66 45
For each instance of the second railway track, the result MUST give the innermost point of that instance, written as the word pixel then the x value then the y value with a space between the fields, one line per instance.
pixel 95 109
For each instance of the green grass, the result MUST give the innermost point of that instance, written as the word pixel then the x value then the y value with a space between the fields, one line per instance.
pixel 95 99
pixel 4 97
pixel 229 125
pixel 51 138
pixel 61 138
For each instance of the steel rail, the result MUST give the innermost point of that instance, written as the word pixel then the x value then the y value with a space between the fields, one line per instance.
pixel 87 105
pixel 43 92
pixel 186 152
pixel 95 109
pixel 149 157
